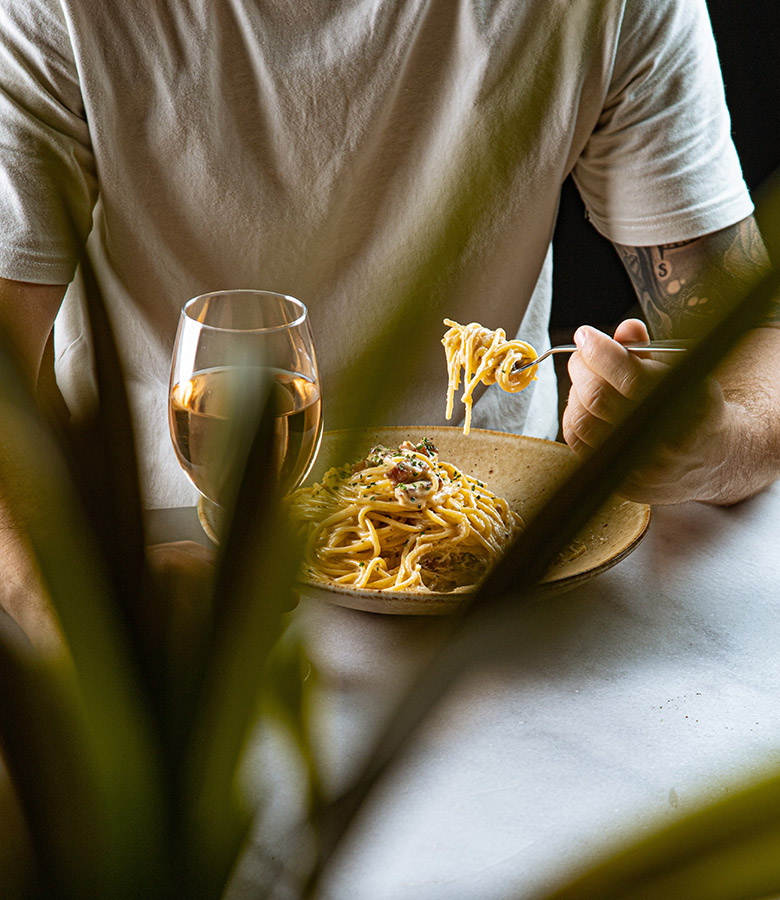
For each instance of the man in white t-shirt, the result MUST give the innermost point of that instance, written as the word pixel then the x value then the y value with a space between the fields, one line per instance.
pixel 356 154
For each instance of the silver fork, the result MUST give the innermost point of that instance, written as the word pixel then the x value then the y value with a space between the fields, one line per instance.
pixel 671 346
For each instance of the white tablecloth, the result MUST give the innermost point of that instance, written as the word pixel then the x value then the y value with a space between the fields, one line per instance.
pixel 603 712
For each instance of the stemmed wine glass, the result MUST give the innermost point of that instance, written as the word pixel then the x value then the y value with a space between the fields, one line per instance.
pixel 233 351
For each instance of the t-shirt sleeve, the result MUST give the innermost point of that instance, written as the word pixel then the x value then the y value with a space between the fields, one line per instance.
pixel 661 166
pixel 48 185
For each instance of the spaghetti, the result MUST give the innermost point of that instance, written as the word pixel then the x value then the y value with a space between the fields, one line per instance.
pixel 486 357
pixel 402 520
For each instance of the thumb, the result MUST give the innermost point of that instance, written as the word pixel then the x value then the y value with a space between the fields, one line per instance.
pixel 631 330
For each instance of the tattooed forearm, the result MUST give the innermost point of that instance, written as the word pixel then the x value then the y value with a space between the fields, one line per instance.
pixel 683 284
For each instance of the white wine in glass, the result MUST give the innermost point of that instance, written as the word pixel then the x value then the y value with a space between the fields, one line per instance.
pixel 234 351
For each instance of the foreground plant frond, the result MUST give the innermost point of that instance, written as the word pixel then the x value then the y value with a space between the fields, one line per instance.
pixel 726 850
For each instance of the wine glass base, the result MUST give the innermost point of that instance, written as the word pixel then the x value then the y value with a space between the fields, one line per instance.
pixel 210 518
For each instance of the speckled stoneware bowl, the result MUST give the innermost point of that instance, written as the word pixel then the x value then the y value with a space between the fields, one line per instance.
pixel 523 470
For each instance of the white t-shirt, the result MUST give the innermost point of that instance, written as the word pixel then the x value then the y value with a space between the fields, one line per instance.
pixel 350 154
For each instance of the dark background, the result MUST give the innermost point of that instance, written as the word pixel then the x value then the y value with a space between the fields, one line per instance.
pixel 590 284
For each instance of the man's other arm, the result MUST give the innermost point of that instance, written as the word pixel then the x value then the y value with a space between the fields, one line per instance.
pixel 27 313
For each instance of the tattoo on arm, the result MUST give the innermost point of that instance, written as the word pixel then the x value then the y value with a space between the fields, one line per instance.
pixel 681 285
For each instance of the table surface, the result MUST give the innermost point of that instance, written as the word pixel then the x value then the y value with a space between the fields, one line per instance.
pixel 603 712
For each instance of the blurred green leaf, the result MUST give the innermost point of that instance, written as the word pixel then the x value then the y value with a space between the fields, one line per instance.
pixel 418 284
pixel 105 469
pixel 37 489
pixel 17 867
pixel 725 850
pixel 43 737
pixel 291 680
pixel 254 590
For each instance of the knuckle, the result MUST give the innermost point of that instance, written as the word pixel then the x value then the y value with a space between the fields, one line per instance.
pixel 576 445
pixel 595 398
pixel 638 377
pixel 629 383
pixel 579 428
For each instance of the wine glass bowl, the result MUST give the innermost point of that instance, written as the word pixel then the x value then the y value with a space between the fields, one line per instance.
pixel 235 352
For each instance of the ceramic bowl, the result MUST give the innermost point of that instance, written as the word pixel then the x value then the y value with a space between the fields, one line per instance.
pixel 523 470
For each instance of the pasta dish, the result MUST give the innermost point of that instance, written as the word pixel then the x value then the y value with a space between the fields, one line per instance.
pixel 486 357
pixel 402 520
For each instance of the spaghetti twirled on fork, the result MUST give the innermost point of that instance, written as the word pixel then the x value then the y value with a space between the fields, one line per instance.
pixel 485 357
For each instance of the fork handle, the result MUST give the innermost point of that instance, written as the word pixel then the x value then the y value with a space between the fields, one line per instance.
pixel 670 346
pixel 675 345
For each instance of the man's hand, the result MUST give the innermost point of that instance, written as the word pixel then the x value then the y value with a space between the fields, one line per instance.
pixel 607 381
pixel 182 569
pixel 730 448
pixel 183 572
